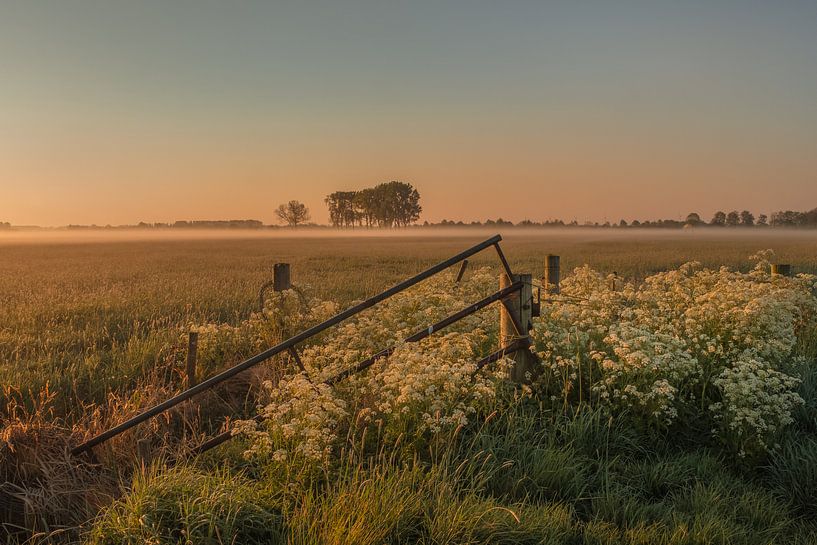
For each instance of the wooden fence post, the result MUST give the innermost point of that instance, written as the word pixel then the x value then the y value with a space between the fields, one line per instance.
pixel 781 269
pixel 462 270
pixel 280 282
pixel 613 279
pixel 144 452
pixel 516 311
pixel 552 273
pixel 192 351
pixel 280 277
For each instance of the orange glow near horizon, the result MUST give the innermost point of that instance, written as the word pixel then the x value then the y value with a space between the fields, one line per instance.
pixel 119 115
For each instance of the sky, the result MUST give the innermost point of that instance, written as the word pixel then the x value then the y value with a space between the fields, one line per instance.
pixel 114 112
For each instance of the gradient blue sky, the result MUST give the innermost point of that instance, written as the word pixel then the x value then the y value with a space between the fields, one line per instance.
pixel 115 111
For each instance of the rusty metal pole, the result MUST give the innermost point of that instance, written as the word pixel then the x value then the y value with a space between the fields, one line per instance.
pixel 517 313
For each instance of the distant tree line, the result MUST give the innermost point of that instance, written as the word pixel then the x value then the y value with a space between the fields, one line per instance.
pixel 719 219
pixel 390 204
pixel 216 224
pixel 745 218
pixel 195 224
pixel 202 224
pixel 4 225
pixel 795 219
pixel 731 219
pixel 396 204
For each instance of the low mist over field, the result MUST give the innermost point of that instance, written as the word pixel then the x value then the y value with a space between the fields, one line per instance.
pixel 578 234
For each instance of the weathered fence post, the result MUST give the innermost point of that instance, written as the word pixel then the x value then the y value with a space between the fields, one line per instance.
pixel 144 451
pixel 551 279
pixel 461 271
pixel 781 269
pixel 613 279
pixel 515 322
pixel 192 350
pixel 280 277
pixel 280 282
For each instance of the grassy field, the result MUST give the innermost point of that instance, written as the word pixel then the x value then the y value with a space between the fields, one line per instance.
pixel 100 323
pixel 88 316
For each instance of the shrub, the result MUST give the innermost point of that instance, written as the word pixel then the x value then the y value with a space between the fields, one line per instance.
pixel 44 491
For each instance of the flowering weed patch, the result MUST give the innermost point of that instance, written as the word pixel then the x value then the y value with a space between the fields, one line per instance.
pixel 688 347
pixel 422 389
pixel 706 350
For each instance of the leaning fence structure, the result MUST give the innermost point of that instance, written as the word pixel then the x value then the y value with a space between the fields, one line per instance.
pixel 513 339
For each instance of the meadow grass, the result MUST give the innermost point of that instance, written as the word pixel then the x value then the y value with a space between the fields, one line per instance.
pixel 524 477
pixel 90 317
pixel 102 324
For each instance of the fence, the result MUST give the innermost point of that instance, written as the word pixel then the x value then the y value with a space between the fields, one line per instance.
pixel 514 294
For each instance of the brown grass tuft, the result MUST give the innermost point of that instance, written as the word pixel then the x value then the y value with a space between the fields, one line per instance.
pixel 44 491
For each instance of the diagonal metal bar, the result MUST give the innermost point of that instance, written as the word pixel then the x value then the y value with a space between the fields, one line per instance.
pixel 295 356
pixel 285 345
pixel 419 335
pixel 517 325
pixel 518 344
pixel 293 352
pixel 504 261
pixel 423 333
pixel 220 439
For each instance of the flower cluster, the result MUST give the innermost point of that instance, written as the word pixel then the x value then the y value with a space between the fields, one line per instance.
pixel 713 344
pixel 420 389
pixel 303 414
pixel 288 312
pixel 757 402
pixel 691 344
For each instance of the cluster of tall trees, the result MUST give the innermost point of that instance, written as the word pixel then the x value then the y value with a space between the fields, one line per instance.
pixel 731 219
pixel 390 204
pixel 795 219
pixel 745 218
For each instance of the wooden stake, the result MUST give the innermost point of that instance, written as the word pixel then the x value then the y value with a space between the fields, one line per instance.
pixel 515 313
pixel 462 271
pixel 552 273
pixel 280 282
pixel 143 451
pixel 781 269
pixel 280 277
pixel 192 351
